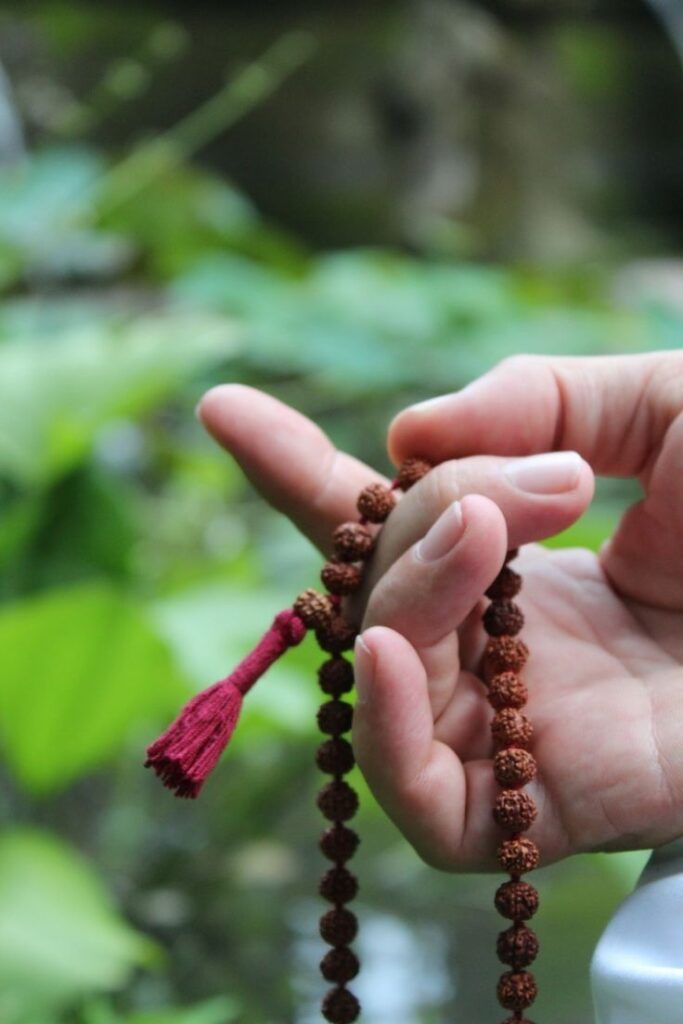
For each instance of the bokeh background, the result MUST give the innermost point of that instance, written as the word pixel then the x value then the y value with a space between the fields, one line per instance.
pixel 352 206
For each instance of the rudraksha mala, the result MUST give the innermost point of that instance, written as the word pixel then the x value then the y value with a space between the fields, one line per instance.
pixel 186 753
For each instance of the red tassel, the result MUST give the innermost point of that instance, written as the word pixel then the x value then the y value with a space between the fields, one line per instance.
pixel 185 755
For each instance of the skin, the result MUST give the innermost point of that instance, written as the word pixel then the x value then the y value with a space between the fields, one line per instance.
pixel 605 675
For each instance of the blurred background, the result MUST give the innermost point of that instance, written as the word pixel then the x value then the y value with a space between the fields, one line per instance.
pixel 353 206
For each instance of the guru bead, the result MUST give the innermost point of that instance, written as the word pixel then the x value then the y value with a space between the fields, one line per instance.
pixel 338 927
pixel 515 810
pixel 352 542
pixel 506 654
pixel 339 965
pixel 336 676
pixel 506 690
pixel 503 618
pixel 411 472
pixel 507 583
pixel 517 856
pixel 375 502
pixel 341 578
pixel 339 843
pixel 517 946
pixel 340 1006
pixel 516 990
pixel 338 801
pixel 335 717
pixel 335 757
pixel 511 728
pixel 314 609
pixel 514 767
pixel 338 885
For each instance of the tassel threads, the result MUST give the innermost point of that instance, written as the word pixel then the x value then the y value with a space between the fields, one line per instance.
pixel 186 754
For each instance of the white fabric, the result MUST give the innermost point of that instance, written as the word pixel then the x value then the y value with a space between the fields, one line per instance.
pixel 637 967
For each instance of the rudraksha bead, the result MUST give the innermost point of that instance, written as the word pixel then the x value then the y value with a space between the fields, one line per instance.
pixel 517 856
pixel 517 901
pixel 516 990
pixel 338 885
pixel 410 472
pixel 335 757
pixel 314 609
pixel 336 635
pixel 352 542
pixel 340 1006
pixel 503 618
pixel 517 946
pixel 341 577
pixel 336 676
pixel 507 583
pixel 335 717
pixel 338 801
pixel 506 654
pixel 511 728
pixel 338 927
pixel 339 965
pixel 507 690
pixel 375 502
pixel 515 810
pixel 339 843
pixel 514 767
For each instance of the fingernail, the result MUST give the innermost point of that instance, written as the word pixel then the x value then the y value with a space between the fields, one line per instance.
pixel 443 535
pixel 550 473
pixel 364 667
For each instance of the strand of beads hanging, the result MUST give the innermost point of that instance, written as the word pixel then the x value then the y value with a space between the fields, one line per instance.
pixel 514 810
pixel 342 576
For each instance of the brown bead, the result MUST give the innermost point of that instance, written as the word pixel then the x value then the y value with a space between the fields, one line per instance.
pixel 511 728
pixel 517 856
pixel 336 676
pixel 341 577
pixel 514 809
pixel 335 717
pixel 517 1020
pixel 410 472
pixel 352 542
pixel 507 690
pixel 335 757
pixel 507 583
pixel 338 801
pixel 517 901
pixel 514 767
pixel 339 965
pixel 503 618
pixel 339 843
pixel 517 946
pixel 516 990
pixel 340 1006
pixel 314 609
pixel 336 635
pixel 506 654
pixel 375 502
pixel 338 885
pixel 511 555
pixel 338 927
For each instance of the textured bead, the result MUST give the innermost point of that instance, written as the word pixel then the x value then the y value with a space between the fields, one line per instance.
pixel 339 965
pixel 335 717
pixel 339 843
pixel 503 618
pixel 338 885
pixel 517 901
pixel 410 472
pixel 514 809
pixel 514 767
pixel 375 502
pixel 506 654
pixel 517 946
pixel 336 676
pixel 335 757
pixel 516 990
pixel 336 635
pixel 506 690
pixel 338 801
pixel 517 856
pixel 338 927
pixel 352 542
pixel 341 577
pixel 507 583
pixel 314 609
pixel 511 728
pixel 340 1006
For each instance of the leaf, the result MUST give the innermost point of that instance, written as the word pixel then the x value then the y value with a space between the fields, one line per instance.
pixel 60 937
pixel 81 665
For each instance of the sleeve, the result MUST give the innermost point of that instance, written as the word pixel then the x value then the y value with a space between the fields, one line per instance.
pixel 637 966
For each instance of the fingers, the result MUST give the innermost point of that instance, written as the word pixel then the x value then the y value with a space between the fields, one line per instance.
pixel 287 458
pixel 623 414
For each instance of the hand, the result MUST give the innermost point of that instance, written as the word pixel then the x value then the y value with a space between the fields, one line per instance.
pixel 605 671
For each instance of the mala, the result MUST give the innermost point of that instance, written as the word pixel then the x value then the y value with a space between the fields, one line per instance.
pixel 187 752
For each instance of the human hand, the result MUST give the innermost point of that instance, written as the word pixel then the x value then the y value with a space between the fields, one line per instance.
pixel 605 665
